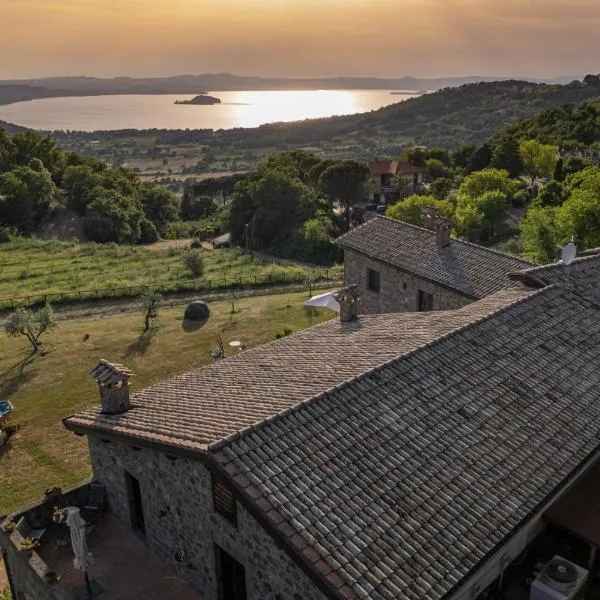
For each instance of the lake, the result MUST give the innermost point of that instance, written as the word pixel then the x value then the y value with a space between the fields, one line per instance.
pixel 238 109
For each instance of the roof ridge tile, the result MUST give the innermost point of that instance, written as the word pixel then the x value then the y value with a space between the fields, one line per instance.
pixel 219 444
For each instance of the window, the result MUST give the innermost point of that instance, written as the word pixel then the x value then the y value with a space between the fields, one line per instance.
pixel 373 280
pixel 425 301
pixel 224 501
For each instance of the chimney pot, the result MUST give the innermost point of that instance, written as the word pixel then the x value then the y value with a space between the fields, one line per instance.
pixel 113 383
pixel 442 232
pixel 349 301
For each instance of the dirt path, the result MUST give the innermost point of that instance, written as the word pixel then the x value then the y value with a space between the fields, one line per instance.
pixel 101 308
pixel 166 244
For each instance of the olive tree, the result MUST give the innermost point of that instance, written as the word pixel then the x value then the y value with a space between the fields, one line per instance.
pixel 31 325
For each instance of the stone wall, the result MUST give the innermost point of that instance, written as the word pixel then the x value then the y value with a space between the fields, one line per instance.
pixel 26 570
pixel 399 291
pixel 179 517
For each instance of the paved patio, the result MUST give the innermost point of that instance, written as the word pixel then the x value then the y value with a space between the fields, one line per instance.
pixel 124 567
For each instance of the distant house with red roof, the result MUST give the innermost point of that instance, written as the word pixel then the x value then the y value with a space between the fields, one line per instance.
pixel 383 173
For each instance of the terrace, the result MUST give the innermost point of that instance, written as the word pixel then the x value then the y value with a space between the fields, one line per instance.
pixel 123 567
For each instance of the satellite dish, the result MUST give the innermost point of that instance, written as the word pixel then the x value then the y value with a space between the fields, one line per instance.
pixel 568 253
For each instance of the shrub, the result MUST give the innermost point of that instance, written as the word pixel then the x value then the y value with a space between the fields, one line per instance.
pixel 148 232
pixel 196 311
pixel 194 261
pixel 8 234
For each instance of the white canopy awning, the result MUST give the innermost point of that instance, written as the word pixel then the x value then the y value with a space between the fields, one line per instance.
pixel 324 301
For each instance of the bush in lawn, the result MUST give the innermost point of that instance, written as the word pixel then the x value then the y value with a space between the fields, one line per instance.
pixel 194 261
pixel 197 311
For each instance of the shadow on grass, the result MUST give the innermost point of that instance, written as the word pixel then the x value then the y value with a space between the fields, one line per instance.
pixel 4 450
pixel 189 325
pixel 12 378
pixel 142 344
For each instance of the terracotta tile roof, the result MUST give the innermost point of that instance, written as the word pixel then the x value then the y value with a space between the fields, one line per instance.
pixel 383 167
pixel 467 268
pixel 395 485
pixel 583 269
pixel 211 403
pixel 394 167
pixel 406 168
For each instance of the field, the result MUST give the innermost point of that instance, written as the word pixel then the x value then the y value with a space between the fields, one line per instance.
pixel 33 269
pixel 42 453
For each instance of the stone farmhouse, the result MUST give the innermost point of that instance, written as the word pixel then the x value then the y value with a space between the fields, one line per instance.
pixel 383 174
pixel 399 267
pixel 383 456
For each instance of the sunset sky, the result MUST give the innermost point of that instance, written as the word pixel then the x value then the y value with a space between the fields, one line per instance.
pixel 385 38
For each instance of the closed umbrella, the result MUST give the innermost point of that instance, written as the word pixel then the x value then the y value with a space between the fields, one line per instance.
pixel 83 559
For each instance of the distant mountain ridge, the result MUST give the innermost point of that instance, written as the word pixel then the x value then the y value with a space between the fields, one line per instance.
pixel 180 84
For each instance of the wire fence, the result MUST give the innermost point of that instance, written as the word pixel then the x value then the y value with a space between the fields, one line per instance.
pixel 203 286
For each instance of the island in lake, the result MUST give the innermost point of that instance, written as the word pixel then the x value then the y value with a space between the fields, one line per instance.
pixel 200 99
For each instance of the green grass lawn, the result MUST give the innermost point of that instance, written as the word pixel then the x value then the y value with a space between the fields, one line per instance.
pixel 42 453
pixel 36 268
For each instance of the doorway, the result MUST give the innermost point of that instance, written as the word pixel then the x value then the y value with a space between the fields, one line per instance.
pixel 231 576
pixel 136 508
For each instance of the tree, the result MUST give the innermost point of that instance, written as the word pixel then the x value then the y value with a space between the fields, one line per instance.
pixel 415 156
pixel 437 169
pixel 468 220
pixel 440 188
pixel 79 182
pixel 506 155
pixel 461 156
pixel 31 325
pixel 410 209
pixel 281 205
pixel 27 195
pixel 558 174
pixel 113 217
pixel 552 194
pixel 488 180
pixel 539 234
pixel 440 154
pixel 196 207
pixel 150 305
pixel 345 182
pixel 480 159
pixel 194 261
pixel 160 206
pixel 538 159
pixel 579 216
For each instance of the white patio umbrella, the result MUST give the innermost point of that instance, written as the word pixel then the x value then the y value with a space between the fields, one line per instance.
pixel 324 301
pixel 83 559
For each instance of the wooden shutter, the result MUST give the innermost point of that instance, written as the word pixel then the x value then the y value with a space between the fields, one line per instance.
pixel 224 500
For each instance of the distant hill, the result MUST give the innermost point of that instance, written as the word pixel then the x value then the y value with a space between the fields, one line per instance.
pixel 448 117
pixel 11 128
pixel 470 113
pixel 193 84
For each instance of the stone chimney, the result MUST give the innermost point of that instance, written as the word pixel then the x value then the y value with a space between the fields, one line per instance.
pixel 349 303
pixel 442 232
pixel 429 216
pixel 113 382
